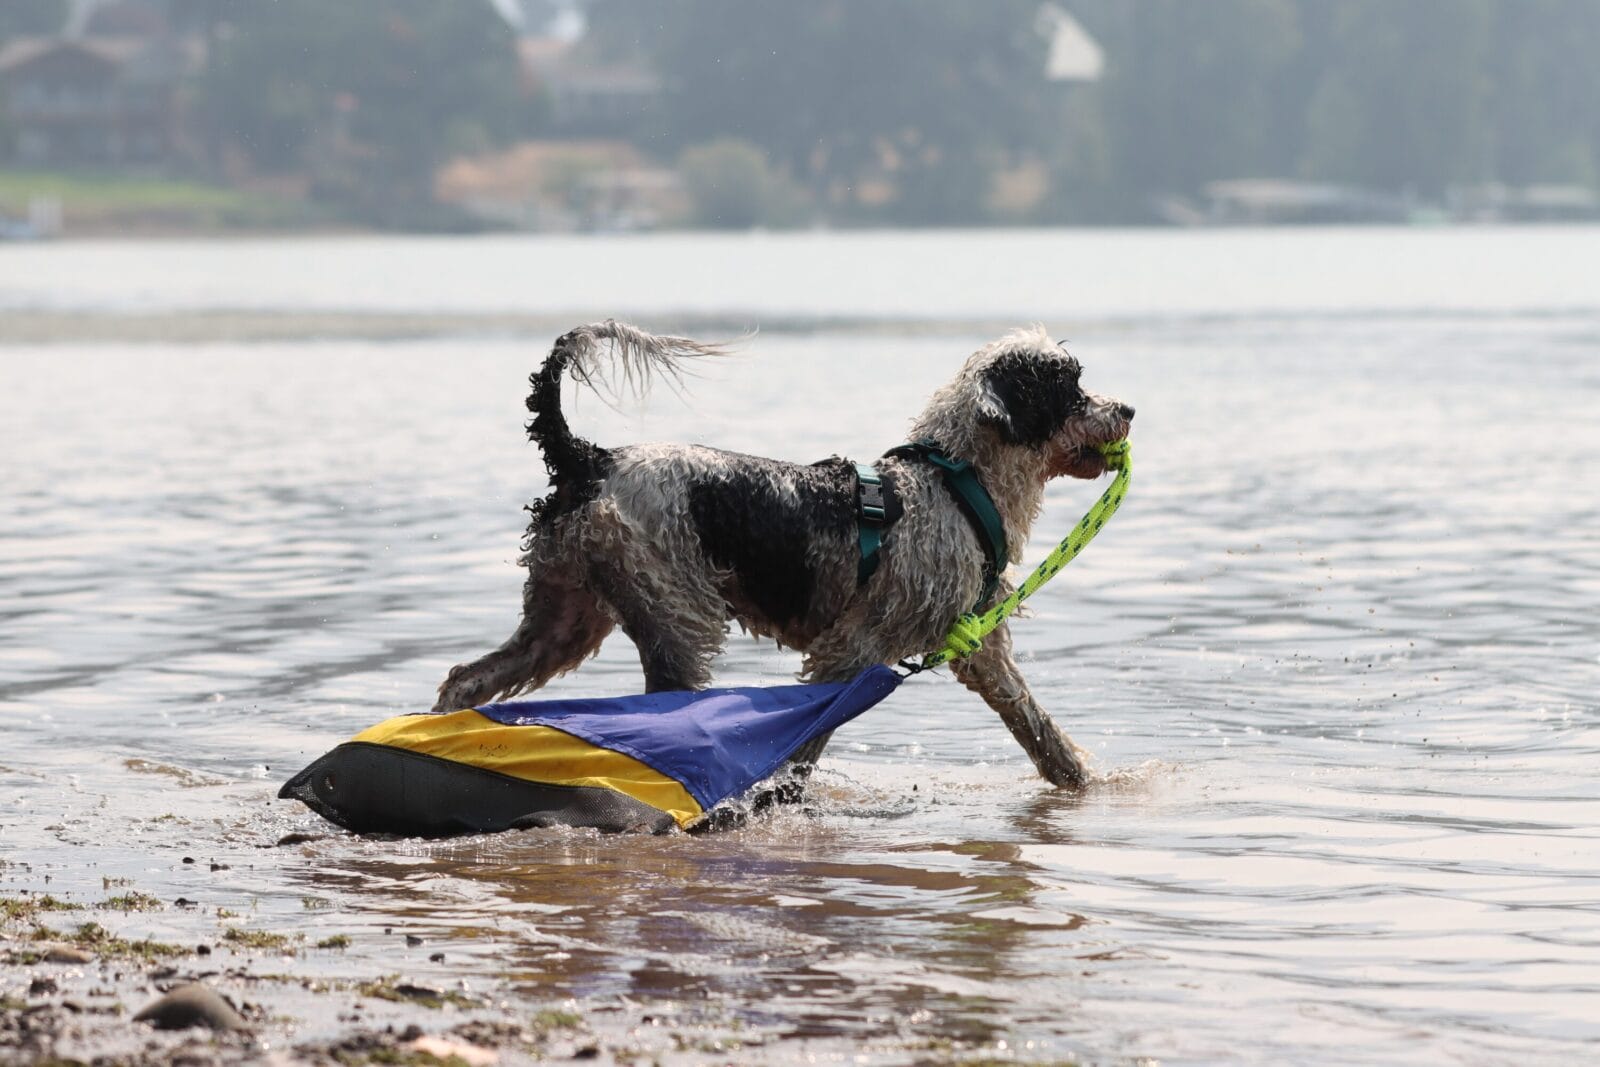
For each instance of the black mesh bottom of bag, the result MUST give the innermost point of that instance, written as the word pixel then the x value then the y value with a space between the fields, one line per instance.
pixel 375 789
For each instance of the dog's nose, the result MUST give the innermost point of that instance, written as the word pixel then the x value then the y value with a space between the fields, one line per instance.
pixel 1126 411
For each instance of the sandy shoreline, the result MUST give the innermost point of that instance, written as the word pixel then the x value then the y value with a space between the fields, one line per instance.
pixel 266 907
pixel 74 976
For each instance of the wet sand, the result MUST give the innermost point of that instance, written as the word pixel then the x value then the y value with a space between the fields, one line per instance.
pixel 322 988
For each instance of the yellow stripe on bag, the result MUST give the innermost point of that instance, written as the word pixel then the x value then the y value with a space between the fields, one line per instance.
pixel 540 754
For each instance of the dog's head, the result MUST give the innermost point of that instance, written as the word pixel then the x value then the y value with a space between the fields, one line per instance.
pixel 1026 390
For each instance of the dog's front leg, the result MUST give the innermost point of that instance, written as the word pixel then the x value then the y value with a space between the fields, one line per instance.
pixel 993 675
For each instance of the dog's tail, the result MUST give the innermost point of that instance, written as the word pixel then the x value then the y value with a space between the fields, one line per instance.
pixel 636 357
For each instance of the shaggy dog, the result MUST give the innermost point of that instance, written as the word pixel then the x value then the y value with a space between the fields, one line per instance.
pixel 670 541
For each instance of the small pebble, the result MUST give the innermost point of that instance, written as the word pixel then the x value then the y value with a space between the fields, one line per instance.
pixel 413 940
pixel 437 957
pixel 442 1049
pixel 42 987
pixel 418 992
pixel 67 954
pixel 188 859
pixel 189 1006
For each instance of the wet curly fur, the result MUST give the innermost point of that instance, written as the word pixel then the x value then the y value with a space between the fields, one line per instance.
pixel 670 541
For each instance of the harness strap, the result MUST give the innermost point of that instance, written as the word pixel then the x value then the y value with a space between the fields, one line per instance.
pixel 872 516
pixel 967 633
pixel 975 503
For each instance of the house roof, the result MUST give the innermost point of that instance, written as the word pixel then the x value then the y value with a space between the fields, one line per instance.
pixel 114 51
pixel 135 60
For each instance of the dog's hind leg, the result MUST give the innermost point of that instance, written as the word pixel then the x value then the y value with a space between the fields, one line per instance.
pixel 562 625
pixel 678 626
pixel 992 674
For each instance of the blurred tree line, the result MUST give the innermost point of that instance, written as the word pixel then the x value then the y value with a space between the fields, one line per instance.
pixel 20 18
pixel 1412 96
pixel 910 111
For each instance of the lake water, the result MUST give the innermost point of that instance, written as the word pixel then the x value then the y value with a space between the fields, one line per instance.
pixel 1338 655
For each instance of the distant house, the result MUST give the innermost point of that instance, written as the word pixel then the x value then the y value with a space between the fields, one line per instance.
pixel 563 186
pixel 89 101
pixel 1276 202
pixel 1074 55
pixel 1531 203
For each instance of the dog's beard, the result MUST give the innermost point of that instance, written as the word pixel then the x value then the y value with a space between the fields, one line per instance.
pixel 1080 461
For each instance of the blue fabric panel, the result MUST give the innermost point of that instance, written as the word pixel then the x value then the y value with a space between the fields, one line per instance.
pixel 717 742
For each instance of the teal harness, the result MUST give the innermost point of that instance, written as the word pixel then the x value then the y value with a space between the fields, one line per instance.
pixel 963 484
pixel 872 518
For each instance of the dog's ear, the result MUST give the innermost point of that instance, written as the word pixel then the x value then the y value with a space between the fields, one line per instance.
pixel 992 409
pixel 1028 400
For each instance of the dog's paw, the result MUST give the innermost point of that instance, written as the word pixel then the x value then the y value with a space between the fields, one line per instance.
pixel 454 692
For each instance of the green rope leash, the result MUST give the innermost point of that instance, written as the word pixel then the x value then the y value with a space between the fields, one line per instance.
pixel 967 634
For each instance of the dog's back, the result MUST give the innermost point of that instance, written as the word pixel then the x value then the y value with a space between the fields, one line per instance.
pixel 772 537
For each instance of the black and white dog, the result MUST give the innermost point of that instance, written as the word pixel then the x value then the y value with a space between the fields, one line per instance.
pixel 670 541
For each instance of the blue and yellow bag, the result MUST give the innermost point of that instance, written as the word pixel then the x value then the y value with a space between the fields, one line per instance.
pixel 647 763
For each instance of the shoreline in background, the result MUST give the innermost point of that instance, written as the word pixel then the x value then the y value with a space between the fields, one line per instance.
pixel 68 206
pixel 15 229
pixel 50 205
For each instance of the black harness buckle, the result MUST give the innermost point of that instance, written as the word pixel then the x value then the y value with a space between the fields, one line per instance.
pixel 874 508
pixel 872 518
